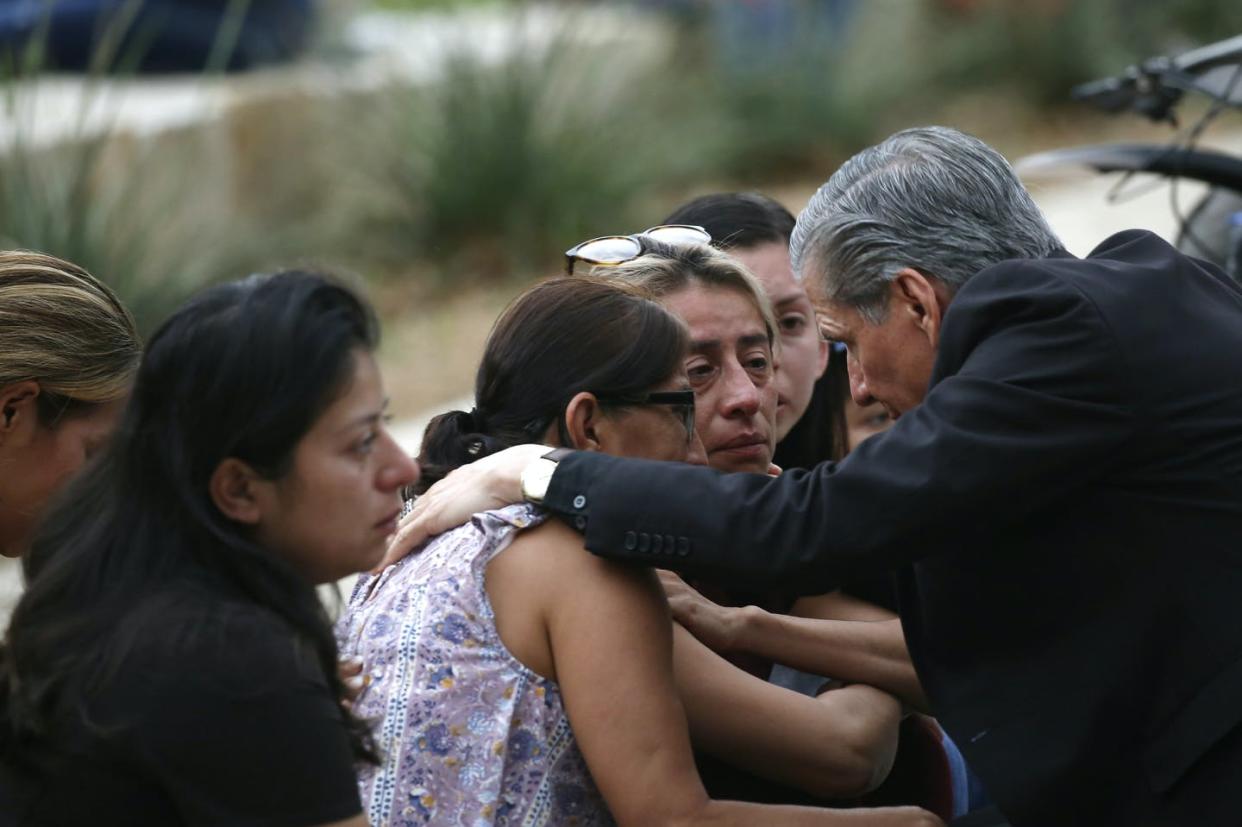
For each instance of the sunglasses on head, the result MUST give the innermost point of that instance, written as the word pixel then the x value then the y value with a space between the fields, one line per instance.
pixel 681 402
pixel 611 250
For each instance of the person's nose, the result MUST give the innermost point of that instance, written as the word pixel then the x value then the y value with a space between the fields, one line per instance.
pixel 741 397
pixel 858 383
pixel 400 469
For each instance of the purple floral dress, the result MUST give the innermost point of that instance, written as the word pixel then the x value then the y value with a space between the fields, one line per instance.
pixel 468 734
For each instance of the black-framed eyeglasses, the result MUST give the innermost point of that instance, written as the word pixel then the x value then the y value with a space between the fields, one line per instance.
pixel 611 250
pixel 680 401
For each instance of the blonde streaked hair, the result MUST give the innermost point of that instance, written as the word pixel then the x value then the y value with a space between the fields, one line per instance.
pixel 63 328
pixel 665 269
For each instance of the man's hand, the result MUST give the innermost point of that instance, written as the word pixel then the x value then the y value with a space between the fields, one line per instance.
pixel 350 671
pixel 714 625
pixel 491 482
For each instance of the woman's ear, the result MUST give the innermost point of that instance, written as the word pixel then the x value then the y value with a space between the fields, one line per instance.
pixel 234 489
pixel 18 410
pixel 582 421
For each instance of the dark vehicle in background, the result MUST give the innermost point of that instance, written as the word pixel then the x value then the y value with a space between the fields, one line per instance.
pixel 157 36
pixel 1212 228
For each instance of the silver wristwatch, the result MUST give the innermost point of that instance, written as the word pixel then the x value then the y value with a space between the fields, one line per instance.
pixel 537 475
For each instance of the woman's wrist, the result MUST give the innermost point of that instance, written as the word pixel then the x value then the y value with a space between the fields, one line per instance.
pixel 742 624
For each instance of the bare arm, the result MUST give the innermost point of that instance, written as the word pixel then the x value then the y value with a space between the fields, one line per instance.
pixel 612 648
pixel 840 744
pixel 837 605
pixel 870 652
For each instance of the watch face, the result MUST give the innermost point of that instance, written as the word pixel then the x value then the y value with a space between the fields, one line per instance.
pixel 536 478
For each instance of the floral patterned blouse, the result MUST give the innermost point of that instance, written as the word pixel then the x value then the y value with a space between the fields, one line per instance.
pixel 469 735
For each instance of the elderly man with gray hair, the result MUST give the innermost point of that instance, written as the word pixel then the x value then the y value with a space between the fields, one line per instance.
pixel 1061 497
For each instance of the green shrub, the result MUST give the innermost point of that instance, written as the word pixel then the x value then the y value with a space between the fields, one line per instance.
pixel 791 98
pixel 151 216
pixel 497 166
pixel 1039 51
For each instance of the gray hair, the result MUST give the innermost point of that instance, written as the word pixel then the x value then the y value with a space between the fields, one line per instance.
pixel 932 199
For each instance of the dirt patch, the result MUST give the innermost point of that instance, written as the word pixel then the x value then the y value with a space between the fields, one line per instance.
pixel 432 344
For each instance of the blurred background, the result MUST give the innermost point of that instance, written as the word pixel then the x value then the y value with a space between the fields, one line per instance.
pixel 446 153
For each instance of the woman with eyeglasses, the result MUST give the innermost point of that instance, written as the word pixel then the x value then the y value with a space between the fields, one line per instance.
pixel 511 678
pixel 170 662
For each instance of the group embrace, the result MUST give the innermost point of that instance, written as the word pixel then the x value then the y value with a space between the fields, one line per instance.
pixel 887 448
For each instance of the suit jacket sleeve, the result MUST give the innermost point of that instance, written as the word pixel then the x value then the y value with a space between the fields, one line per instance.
pixel 1030 398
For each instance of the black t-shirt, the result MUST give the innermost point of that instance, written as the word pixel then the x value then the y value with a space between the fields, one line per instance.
pixel 218 717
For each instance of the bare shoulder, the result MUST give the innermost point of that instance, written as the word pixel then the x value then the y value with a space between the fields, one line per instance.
pixel 553 544
pixel 551 557
pixel 551 538
pixel 546 582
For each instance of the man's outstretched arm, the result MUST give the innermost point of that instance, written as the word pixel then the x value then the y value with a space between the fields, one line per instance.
pixel 1030 402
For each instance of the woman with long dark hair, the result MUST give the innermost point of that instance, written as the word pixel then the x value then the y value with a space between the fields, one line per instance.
pixel 169 662
pixel 514 679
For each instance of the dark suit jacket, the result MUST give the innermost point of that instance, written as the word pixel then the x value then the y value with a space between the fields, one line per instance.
pixel 1064 511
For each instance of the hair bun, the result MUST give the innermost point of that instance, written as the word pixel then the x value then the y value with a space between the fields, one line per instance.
pixel 453 439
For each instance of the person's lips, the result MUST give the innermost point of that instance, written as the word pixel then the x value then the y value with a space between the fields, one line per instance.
pixel 389 524
pixel 750 444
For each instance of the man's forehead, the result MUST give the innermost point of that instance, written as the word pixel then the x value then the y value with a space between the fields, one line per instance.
pixel 813 284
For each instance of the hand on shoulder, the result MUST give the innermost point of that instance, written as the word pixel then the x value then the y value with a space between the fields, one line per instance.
pixel 491 482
